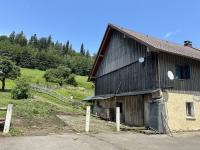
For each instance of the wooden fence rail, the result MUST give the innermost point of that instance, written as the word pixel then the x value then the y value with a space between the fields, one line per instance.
pixel 51 93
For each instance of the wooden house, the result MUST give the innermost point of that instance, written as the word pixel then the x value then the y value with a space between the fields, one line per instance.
pixel 155 83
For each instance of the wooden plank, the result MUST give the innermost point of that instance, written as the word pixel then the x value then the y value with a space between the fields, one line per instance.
pixel 118 119
pixel 87 120
pixel 3 108
pixel 8 119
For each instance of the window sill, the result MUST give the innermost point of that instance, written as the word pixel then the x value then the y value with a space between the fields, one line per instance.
pixel 190 118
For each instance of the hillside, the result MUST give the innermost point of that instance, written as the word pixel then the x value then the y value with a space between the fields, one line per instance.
pixel 38 114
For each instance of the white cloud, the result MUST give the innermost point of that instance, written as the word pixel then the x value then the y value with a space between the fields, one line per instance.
pixel 171 33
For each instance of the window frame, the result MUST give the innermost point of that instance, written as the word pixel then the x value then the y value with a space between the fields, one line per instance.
pixel 182 72
pixel 190 111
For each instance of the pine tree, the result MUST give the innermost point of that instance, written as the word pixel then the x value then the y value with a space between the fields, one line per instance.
pixel 21 39
pixel 33 41
pixel 66 48
pixel 87 54
pixel 49 40
pixel 58 46
pixel 82 50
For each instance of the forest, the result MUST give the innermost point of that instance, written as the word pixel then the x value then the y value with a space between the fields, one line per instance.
pixel 43 53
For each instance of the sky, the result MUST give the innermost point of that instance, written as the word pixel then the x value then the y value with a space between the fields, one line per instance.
pixel 85 21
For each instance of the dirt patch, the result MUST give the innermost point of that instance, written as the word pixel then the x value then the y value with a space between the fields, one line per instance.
pixel 38 126
pixel 77 123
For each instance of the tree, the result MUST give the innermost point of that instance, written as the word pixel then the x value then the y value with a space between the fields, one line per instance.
pixel 22 90
pixel 43 53
pixel 82 66
pixel 21 39
pixel 9 69
pixel 49 40
pixel 12 37
pixel 87 54
pixel 82 50
pixel 3 38
pixel 58 46
pixel 71 80
pixel 33 41
pixel 66 48
pixel 42 43
pixel 59 75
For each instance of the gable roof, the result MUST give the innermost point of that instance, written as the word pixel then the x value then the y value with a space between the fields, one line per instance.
pixel 149 41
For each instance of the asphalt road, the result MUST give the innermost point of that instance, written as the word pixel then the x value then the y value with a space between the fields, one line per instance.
pixel 104 141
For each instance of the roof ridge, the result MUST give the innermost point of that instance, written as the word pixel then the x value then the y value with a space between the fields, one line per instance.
pixel 155 38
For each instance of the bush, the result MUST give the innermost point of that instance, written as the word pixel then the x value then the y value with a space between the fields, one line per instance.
pixel 22 89
pixel 71 80
pixel 59 75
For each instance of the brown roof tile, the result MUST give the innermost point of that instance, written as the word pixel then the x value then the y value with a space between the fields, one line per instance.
pixel 162 45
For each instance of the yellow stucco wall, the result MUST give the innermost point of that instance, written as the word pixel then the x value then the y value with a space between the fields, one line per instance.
pixel 175 105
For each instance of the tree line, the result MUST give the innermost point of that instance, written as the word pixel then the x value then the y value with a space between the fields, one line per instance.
pixel 43 53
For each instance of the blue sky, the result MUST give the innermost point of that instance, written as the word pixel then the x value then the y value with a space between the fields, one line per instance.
pixel 86 20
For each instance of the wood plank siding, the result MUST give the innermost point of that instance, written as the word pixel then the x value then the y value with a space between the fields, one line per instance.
pixel 168 62
pixel 120 70
pixel 132 109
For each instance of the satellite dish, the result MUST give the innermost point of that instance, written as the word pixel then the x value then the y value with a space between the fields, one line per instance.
pixel 141 60
pixel 170 75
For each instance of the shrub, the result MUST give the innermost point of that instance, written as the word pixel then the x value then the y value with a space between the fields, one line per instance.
pixel 71 80
pixel 58 75
pixel 22 89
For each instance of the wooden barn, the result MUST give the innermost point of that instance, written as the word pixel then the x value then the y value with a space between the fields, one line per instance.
pixel 155 83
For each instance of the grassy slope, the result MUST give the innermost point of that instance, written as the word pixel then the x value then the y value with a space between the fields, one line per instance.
pixel 42 109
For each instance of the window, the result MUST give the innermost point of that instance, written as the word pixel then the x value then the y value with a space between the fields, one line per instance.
pixel 182 72
pixel 189 109
pixel 118 104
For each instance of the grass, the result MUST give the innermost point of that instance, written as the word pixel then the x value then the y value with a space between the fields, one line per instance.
pixel 40 111
pixel 83 82
pixel 78 93
pixel 35 75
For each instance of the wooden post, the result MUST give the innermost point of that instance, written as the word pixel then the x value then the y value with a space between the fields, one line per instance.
pixel 87 120
pixel 8 119
pixel 118 118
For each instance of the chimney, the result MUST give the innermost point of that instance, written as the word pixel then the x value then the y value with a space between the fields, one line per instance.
pixel 188 43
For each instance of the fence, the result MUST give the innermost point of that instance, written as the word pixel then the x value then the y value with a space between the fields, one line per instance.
pixel 50 92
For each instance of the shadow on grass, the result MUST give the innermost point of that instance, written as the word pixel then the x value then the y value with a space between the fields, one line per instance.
pixel 6 90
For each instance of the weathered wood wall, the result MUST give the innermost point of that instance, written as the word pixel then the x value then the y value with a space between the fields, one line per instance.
pixel 121 70
pixel 120 52
pixel 167 62
pixel 132 111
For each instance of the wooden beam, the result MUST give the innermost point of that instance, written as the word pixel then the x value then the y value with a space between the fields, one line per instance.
pixel 87 120
pixel 8 119
pixel 3 108
pixel 118 118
